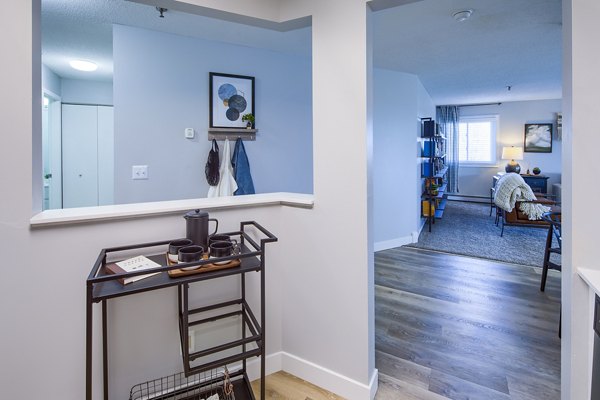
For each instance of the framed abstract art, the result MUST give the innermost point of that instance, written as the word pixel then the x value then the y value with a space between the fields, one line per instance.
pixel 231 96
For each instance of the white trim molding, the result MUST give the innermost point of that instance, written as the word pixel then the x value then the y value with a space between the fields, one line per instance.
pixel 330 380
pixel 401 241
pixel 122 211
pixel 315 374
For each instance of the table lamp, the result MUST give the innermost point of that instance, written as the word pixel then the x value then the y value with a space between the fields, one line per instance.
pixel 512 153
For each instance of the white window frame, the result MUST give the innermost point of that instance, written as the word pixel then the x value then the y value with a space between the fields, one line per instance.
pixel 494 119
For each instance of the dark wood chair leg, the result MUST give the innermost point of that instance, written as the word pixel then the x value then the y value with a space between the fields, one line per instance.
pixel 502 221
pixel 546 259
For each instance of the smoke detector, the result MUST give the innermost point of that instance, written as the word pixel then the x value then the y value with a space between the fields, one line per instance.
pixel 463 15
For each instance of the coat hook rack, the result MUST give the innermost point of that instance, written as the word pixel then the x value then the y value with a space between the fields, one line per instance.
pixel 232 134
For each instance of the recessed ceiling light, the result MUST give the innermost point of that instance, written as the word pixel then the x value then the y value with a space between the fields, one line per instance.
pixel 82 65
pixel 463 15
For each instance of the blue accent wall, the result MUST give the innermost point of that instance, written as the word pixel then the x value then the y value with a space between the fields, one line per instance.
pixel 161 86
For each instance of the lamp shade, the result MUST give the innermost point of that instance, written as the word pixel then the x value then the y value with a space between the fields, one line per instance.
pixel 512 153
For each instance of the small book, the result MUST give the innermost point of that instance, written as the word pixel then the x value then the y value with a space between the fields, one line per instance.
pixel 138 263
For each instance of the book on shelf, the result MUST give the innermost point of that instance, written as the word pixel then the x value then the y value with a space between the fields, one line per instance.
pixel 134 264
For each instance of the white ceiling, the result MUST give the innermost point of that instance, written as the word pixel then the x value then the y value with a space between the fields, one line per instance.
pixel 83 29
pixel 505 42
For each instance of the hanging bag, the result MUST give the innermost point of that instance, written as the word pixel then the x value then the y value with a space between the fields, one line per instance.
pixel 212 165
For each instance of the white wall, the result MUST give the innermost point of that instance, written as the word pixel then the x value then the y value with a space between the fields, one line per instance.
pixel 581 85
pixel 153 108
pixel 78 91
pixel 328 309
pixel 400 100
pixel 50 81
pixel 476 181
pixel 322 310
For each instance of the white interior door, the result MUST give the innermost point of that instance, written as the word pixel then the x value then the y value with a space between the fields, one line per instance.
pixel 106 156
pixel 80 155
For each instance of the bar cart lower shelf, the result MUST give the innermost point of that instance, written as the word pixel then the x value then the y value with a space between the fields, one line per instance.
pixel 227 386
pixel 200 367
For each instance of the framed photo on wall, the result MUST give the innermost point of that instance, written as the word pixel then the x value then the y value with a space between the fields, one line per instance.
pixel 231 96
pixel 538 138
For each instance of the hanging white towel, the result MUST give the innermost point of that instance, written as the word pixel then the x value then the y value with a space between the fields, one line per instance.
pixel 227 184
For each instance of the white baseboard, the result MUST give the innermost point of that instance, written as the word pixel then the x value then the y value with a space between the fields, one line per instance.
pixel 273 365
pixel 401 241
pixel 414 236
pixel 325 378
pixel 330 380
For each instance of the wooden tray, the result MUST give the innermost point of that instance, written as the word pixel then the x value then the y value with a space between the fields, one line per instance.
pixel 177 273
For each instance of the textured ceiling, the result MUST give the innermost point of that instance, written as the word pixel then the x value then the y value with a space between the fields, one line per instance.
pixel 505 42
pixel 83 29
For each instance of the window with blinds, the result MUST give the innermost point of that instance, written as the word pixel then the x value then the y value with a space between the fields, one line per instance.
pixel 477 140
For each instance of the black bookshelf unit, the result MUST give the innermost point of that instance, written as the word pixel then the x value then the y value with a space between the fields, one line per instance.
pixel 434 171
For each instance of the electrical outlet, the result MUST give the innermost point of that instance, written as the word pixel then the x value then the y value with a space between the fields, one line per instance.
pixel 189 133
pixel 139 172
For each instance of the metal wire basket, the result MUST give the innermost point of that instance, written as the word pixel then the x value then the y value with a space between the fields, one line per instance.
pixel 214 384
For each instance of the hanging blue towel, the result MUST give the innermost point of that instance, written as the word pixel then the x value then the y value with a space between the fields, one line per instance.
pixel 241 170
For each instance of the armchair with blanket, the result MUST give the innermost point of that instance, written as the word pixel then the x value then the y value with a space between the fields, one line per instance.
pixel 518 205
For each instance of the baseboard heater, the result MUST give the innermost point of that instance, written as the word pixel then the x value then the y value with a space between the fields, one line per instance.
pixel 468 198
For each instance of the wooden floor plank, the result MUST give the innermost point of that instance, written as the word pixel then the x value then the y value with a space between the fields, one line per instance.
pixel 402 369
pixel 391 388
pixel 282 385
pixel 468 328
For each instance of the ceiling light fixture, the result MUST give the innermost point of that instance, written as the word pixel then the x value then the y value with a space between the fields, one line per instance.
pixel 161 10
pixel 463 15
pixel 83 65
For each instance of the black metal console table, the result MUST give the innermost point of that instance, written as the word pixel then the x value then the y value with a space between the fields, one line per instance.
pixel 102 286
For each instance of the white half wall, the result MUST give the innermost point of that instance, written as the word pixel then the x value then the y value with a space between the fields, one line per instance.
pixel 42 293
pixel 400 100
pixel 476 181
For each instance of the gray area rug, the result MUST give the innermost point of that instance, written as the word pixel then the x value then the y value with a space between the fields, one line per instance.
pixel 468 229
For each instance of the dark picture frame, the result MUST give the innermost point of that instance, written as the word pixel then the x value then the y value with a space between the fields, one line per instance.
pixel 230 97
pixel 538 138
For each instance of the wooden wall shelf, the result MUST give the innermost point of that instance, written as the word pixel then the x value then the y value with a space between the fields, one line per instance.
pixel 232 133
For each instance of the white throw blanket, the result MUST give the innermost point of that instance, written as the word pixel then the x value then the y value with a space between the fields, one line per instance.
pixel 227 184
pixel 512 188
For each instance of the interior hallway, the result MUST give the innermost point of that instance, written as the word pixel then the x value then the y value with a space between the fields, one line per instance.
pixel 457 327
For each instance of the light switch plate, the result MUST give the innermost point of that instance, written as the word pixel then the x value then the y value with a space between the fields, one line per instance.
pixel 189 133
pixel 139 172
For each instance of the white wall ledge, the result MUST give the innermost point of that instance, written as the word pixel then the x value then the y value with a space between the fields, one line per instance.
pixel 136 210
pixel 591 277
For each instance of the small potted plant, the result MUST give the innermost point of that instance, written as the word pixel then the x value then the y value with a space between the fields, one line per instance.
pixel 249 119
pixel 433 189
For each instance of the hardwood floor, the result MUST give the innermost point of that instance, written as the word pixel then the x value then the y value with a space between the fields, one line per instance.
pixel 282 385
pixel 453 327
pixel 456 327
